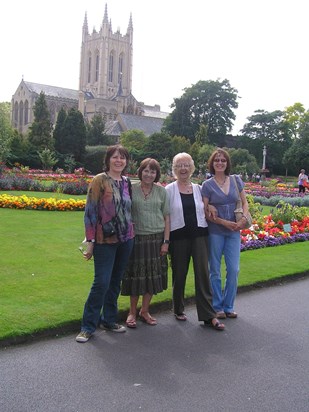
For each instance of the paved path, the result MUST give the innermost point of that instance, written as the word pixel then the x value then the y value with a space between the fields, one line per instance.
pixel 260 363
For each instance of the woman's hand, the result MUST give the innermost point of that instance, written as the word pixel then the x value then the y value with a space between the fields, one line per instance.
pixel 89 252
pixel 164 249
pixel 230 225
pixel 212 212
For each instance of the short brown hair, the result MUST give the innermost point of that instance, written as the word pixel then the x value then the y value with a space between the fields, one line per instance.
pixel 109 153
pixel 153 165
pixel 226 156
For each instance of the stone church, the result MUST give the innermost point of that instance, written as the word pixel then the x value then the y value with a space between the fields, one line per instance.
pixel 105 86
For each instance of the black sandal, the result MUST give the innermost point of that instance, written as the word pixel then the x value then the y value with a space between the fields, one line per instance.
pixel 217 325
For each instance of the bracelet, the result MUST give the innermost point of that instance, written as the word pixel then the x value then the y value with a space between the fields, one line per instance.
pixel 245 217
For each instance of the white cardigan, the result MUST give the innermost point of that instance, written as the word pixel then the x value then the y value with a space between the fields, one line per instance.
pixel 176 210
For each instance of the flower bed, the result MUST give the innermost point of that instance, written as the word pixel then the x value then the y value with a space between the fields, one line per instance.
pixel 33 203
pixel 270 233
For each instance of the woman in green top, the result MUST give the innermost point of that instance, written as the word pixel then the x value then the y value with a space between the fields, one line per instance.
pixel 146 273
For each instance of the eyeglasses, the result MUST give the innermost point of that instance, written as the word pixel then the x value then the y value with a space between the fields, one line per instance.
pixel 180 165
pixel 220 160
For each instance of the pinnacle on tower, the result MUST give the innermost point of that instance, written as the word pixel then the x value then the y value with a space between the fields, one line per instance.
pixel 105 18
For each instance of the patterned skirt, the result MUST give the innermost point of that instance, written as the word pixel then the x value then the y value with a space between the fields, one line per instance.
pixel 147 270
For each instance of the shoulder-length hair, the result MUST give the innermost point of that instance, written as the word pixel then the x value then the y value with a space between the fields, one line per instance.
pixel 223 153
pixel 109 153
pixel 153 165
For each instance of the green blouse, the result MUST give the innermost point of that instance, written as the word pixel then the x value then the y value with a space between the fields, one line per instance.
pixel 148 214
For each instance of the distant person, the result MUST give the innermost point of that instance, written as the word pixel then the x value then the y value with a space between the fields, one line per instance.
pixel 188 238
pixel 146 274
pixel 302 181
pixel 109 233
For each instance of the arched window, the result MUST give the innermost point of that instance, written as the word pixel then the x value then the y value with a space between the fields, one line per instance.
pixel 21 113
pixel 89 68
pixel 26 116
pixel 97 68
pixel 111 67
pixel 120 67
pixel 16 114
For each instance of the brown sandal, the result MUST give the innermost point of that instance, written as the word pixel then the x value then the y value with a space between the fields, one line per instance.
pixel 231 315
pixel 217 325
pixel 131 321
pixel 148 319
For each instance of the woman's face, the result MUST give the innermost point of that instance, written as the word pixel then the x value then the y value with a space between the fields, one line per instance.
pixel 183 169
pixel 219 163
pixel 117 162
pixel 148 175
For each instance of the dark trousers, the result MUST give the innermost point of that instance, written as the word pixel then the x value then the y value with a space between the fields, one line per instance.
pixel 181 252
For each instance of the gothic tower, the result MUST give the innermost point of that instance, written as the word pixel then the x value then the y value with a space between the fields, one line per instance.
pixel 106 70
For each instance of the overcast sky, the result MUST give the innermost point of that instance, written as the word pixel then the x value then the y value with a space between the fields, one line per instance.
pixel 260 46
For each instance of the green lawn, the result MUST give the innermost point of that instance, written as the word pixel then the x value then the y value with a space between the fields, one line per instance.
pixel 45 281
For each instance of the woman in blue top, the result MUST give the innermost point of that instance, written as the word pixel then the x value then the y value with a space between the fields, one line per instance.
pixel 220 196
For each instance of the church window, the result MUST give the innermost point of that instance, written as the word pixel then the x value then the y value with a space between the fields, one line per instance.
pixel 21 113
pixel 89 69
pixel 120 68
pixel 26 117
pixel 16 114
pixel 97 68
pixel 111 67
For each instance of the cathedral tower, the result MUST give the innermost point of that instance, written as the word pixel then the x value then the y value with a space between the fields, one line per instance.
pixel 106 62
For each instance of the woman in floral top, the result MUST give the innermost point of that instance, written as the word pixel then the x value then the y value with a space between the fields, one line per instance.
pixel 109 233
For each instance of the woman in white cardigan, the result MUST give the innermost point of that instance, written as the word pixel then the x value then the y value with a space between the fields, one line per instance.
pixel 188 239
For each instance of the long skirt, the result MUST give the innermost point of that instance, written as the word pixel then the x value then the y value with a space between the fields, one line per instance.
pixel 147 270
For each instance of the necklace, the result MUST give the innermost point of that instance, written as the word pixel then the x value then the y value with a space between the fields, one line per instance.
pixel 185 187
pixel 220 184
pixel 146 194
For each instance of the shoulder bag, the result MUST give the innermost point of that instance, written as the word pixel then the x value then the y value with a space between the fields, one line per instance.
pixel 239 212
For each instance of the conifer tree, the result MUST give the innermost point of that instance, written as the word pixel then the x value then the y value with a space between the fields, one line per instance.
pixel 40 134
pixel 58 131
pixel 74 135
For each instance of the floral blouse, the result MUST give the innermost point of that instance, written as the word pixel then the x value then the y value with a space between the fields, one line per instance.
pixel 108 199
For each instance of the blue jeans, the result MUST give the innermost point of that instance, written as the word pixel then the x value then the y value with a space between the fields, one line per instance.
pixel 229 246
pixel 110 261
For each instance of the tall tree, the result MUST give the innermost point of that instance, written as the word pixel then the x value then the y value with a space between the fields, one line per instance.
pixel 297 155
pixel 158 146
pixel 6 131
pixel 40 134
pixel 74 135
pixel 96 135
pixel 210 103
pixel 58 131
pixel 134 140
pixel 294 116
pixel 266 129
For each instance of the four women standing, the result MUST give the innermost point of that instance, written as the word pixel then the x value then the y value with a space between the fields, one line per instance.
pixel 176 214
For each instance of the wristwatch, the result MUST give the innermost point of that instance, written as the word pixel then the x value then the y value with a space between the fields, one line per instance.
pixel 166 242
pixel 91 241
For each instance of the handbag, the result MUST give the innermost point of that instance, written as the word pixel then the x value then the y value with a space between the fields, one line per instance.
pixel 109 228
pixel 239 212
